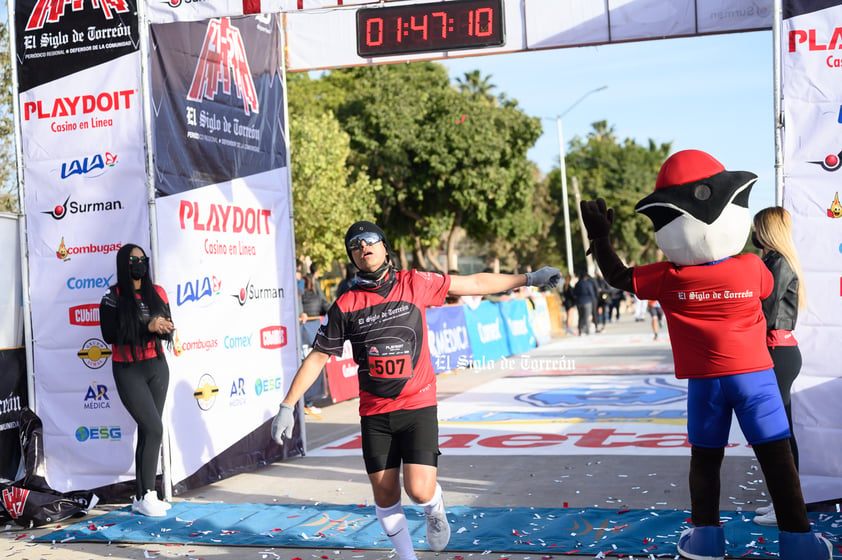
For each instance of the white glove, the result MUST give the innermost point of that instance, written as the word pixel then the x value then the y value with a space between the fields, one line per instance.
pixel 547 277
pixel 283 423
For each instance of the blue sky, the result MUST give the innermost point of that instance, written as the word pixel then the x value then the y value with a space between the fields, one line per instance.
pixel 713 93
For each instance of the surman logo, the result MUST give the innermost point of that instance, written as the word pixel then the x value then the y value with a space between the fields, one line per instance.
pixel 221 62
pixel 51 11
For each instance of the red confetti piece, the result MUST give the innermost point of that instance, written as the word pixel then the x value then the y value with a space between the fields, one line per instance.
pixel 276 530
pixel 20 536
pixel 564 504
pixel 624 511
pixel 459 557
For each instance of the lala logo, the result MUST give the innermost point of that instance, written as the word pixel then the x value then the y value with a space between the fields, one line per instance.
pixel 86 166
pixel 221 62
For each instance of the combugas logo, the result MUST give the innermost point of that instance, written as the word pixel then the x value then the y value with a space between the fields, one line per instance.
pixel 64 251
pixel 206 392
pixel 223 62
pixel 73 207
pixel 835 210
pixel 94 353
pixel 49 11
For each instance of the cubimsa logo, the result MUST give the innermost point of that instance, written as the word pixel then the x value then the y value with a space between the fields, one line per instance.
pixel 65 251
pixel 223 62
pixel 94 353
pixel 50 11
pixel 273 337
pixel 86 315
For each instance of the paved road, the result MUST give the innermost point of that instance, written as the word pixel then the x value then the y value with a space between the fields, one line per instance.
pixel 628 480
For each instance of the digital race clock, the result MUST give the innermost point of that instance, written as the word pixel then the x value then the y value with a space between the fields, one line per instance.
pixel 439 26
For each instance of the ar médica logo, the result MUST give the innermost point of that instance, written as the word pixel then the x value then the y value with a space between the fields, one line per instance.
pixel 221 62
pixel 51 11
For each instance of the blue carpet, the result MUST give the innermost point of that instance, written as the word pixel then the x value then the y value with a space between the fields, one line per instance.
pixel 544 530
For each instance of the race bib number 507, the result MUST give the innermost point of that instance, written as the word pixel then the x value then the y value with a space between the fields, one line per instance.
pixel 389 361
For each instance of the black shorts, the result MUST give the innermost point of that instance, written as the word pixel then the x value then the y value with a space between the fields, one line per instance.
pixel 411 436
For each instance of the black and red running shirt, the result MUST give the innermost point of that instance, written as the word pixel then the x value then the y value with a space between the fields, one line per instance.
pixel 388 333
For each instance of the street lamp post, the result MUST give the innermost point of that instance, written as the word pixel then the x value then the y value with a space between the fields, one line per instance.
pixel 563 170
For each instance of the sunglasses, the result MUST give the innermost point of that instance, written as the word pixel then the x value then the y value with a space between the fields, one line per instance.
pixel 135 260
pixel 369 237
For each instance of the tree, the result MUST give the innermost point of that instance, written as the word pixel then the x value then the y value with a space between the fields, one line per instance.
pixel 448 161
pixel 476 86
pixel 8 173
pixel 621 172
pixel 327 196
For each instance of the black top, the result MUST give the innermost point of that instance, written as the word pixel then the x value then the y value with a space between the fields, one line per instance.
pixel 781 307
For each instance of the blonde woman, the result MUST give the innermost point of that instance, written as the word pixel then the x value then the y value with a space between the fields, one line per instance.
pixel 773 234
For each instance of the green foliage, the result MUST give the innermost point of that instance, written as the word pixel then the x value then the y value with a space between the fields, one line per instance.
pixel 448 160
pixel 326 197
pixel 621 172
pixel 8 173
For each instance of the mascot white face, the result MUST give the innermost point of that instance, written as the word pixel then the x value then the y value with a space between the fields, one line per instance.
pixel 699 210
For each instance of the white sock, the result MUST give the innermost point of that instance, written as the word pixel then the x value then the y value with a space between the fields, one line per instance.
pixel 433 504
pixel 393 521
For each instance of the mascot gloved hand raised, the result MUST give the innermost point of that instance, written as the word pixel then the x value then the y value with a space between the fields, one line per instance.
pixel 711 297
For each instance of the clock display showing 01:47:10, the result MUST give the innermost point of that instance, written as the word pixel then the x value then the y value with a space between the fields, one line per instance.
pixel 439 26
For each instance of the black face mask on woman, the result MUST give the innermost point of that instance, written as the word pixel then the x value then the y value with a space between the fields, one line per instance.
pixel 138 270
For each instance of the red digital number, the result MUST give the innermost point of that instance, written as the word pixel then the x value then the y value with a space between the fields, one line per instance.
pixel 422 27
pixel 443 16
pixel 370 31
pixel 487 25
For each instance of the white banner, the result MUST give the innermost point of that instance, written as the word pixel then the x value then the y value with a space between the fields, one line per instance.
pixel 85 196
pixel 228 265
pixel 812 145
pixel 11 328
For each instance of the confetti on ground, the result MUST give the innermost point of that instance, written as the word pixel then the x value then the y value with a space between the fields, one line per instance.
pixel 561 531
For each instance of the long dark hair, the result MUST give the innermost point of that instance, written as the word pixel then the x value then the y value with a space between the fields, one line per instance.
pixel 131 331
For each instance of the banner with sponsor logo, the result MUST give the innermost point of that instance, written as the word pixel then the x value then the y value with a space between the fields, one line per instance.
pixel 486 333
pixel 13 400
pixel 228 267
pixel 812 103
pixel 217 96
pixel 515 314
pixel 85 194
pixel 447 336
pixel 11 313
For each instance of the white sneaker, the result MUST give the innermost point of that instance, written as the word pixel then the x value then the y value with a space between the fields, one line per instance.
pixel 149 506
pixel 438 528
pixel 768 519
pixel 763 510
pixel 154 496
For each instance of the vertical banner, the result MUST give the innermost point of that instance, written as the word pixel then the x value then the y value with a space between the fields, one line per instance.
pixel 227 269
pixel 85 194
pixel 226 252
pixel 812 94
pixel 218 101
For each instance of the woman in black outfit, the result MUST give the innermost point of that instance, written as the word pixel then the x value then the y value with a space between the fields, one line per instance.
pixel 773 234
pixel 135 318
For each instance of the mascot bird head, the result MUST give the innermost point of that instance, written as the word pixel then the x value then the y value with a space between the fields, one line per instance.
pixel 699 210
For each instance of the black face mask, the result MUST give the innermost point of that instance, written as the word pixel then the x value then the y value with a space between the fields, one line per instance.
pixel 138 270
pixel 755 241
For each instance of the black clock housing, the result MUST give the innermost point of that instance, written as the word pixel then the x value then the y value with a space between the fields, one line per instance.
pixel 438 26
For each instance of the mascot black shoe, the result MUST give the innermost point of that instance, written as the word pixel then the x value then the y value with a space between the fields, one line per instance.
pixel 711 296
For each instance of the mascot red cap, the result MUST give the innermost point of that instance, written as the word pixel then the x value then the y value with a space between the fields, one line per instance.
pixel 699 209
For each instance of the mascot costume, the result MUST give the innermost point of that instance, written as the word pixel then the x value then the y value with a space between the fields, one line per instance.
pixel 711 296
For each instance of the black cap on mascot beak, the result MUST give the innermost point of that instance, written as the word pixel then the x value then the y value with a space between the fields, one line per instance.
pixel 699 210
pixel 363 227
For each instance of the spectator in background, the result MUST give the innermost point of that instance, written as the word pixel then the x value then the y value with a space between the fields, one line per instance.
pixel 568 301
pixel 313 303
pixel 586 297
pixel 657 315
pixel 347 282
